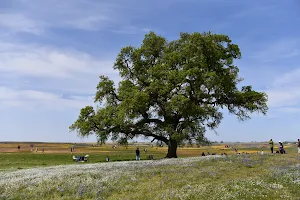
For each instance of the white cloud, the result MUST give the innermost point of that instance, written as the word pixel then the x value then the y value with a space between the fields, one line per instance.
pixel 130 30
pixel 283 96
pixel 290 110
pixel 32 99
pixel 34 75
pixel 282 49
pixel 82 98
pixel 40 61
pixel 284 93
pixel 17 22
pixel 35 16
pixel 80 14
pixel 90 23
pixel 280 77
pixel 292 77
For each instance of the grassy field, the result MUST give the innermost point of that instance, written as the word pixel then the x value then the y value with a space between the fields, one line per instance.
pixel 59 153
pixel 53 174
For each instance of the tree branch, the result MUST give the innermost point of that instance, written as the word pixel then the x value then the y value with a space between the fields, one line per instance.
pixel 157 137
pixel 147 120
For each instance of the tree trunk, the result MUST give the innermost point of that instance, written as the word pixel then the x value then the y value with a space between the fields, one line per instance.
pixel 172 149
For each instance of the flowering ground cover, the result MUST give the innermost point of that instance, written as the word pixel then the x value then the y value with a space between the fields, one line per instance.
pixel 212 177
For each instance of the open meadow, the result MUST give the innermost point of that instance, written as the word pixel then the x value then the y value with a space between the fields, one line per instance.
pixel 60 154
pixel 53 174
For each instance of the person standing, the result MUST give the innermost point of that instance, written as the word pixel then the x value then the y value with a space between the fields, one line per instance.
pixel 271 143
pixel 298 146
pixel 137 154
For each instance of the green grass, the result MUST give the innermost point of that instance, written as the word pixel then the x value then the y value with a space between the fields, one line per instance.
pixel 235 177
pixel 27 159
pixel 214 179
pixel 14 161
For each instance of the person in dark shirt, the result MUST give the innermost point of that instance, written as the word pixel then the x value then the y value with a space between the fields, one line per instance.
pixel 298 146
pixel 281 148
pixel 271 143
pixel 137 154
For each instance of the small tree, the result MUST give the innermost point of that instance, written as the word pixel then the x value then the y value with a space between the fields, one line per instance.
pixel 123 142
pixel 171 91
pixel 100 141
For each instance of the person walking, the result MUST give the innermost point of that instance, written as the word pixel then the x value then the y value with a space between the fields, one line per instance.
pixel 298 146
pixel 137 154
pixel 271 143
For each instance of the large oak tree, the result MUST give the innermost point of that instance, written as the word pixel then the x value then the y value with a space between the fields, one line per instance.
pixel 171 91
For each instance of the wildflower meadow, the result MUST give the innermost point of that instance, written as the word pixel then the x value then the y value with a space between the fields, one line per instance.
pixel 244 176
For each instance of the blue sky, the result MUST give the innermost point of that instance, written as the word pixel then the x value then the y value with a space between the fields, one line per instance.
pixel 52 53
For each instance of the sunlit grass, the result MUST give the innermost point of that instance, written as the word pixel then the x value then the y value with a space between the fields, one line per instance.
pixel 59 153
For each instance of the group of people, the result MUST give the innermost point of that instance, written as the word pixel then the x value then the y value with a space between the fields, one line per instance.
pixel 138 154
pixel 271 143
pixel 281 147
pixel 37 149
pixel 72 148
pixel 31 148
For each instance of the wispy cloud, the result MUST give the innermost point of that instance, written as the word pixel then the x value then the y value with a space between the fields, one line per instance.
pixel 288 78
pixel 266 9
pixel 282 49
pixel 52 53
pixel 289 110
pixel 34 16
pixel 43 61
pixel 274 64
pixel 51 75
pixel 17 22
pixel 43 76
pixel 33 99
pixel 130 30
pixel 88 23
pixel 284 94
pixel 283 97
